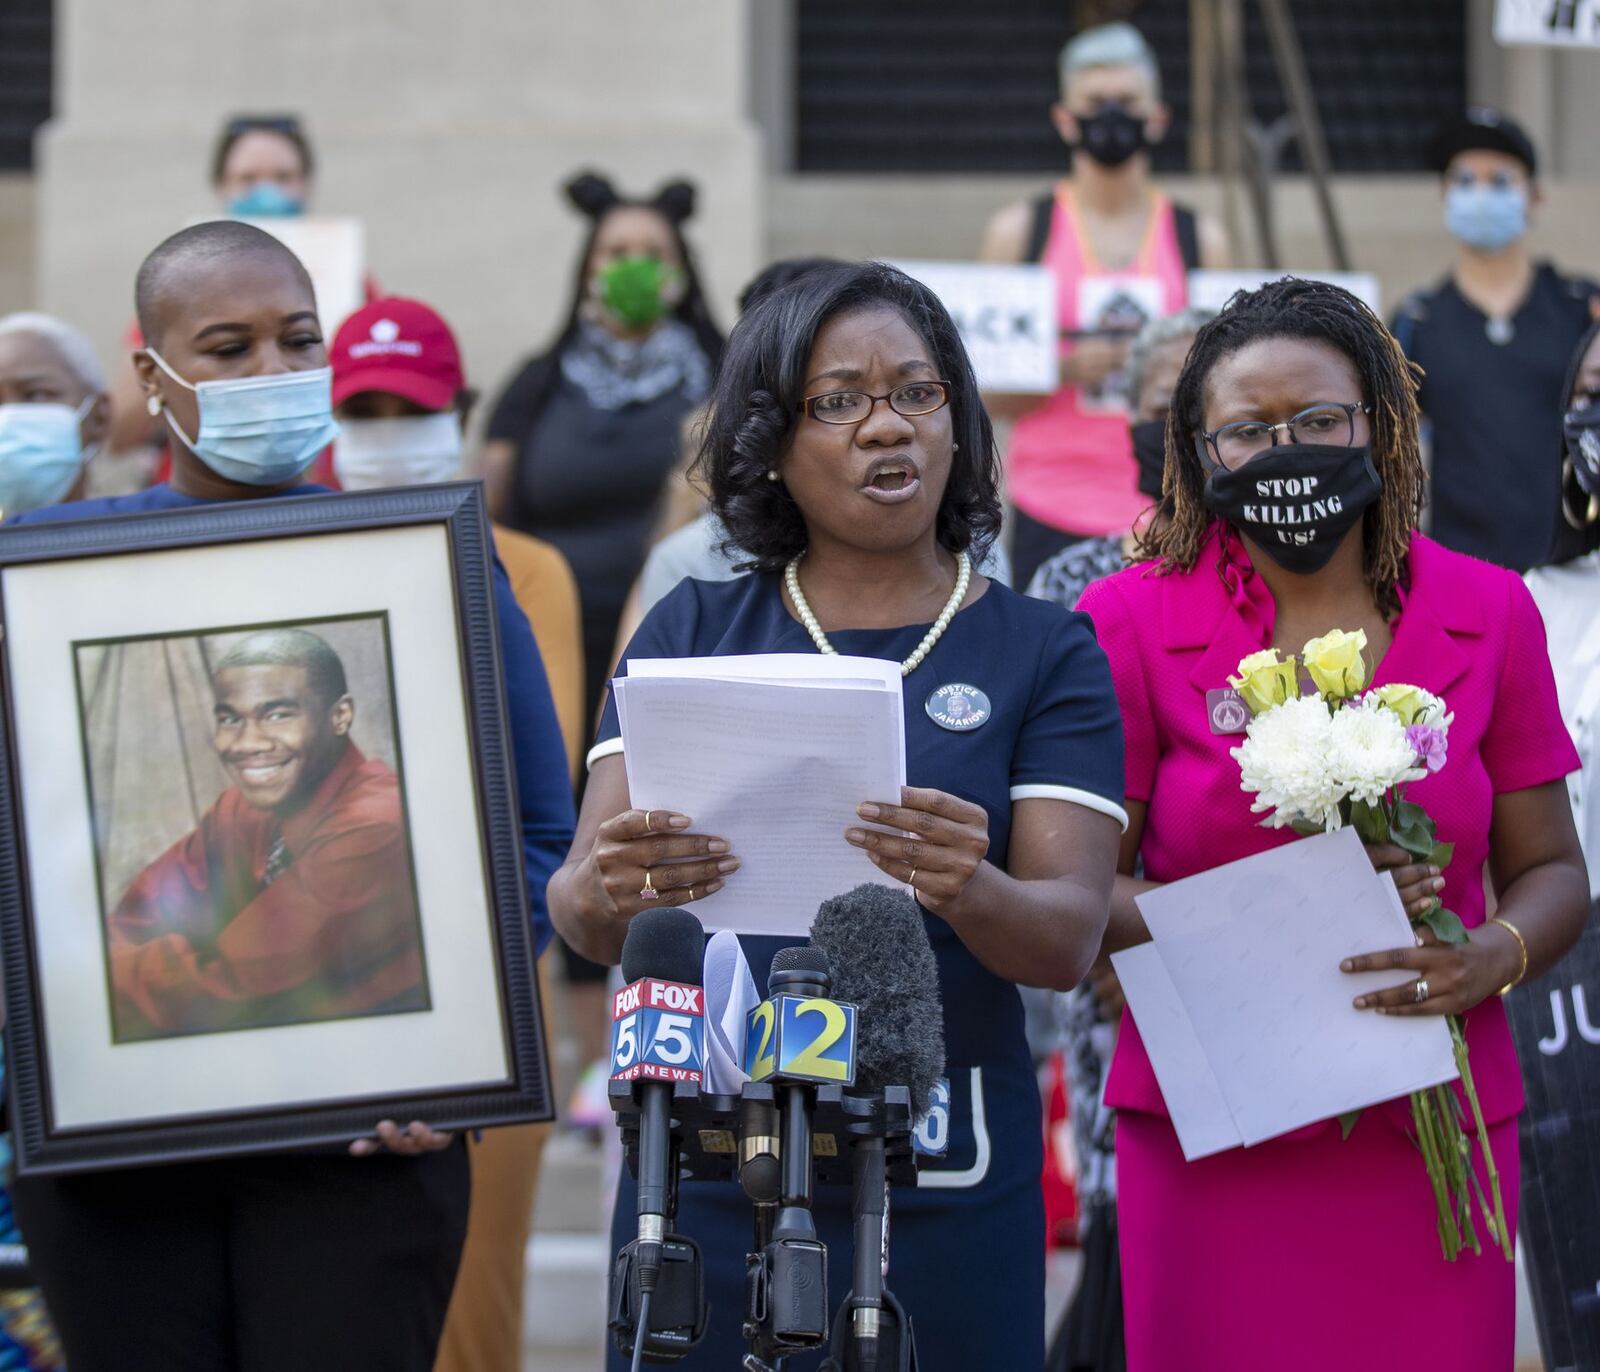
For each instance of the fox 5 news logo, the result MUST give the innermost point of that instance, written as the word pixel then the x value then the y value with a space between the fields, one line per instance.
pixel 658 1031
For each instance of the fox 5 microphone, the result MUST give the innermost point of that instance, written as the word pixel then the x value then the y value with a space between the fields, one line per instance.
pixel 877 947
pixel 658 1040
pixel 796 1037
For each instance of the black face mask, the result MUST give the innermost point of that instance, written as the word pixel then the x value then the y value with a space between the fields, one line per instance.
pixel 1111 136
pixel 1150 452
pixel 1582 430
pixel 1297 501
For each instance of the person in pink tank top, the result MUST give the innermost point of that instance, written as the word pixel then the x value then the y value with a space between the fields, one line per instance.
pixel 1121 252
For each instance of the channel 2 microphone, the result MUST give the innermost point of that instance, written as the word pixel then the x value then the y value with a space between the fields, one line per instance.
pixel 658 1040
pixel 798 1036
pixel 876 944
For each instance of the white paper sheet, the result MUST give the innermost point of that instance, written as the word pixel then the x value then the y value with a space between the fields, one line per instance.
pixel 773 753
pixel 1198 1108
pixel 1250 954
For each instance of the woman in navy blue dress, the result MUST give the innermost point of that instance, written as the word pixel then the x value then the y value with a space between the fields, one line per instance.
pixel 852 462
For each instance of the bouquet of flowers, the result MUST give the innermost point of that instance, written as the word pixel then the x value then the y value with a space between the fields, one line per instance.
pixel 1321 752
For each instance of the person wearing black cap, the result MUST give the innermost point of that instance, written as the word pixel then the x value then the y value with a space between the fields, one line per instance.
pixel 1493 339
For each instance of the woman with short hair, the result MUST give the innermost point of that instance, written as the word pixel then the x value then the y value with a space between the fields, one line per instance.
pixel 316 1260
pixel 851 461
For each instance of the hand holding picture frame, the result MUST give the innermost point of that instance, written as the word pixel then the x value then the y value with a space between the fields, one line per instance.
pixel 261 881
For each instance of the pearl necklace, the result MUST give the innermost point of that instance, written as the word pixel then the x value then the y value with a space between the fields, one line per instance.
pixel 791 579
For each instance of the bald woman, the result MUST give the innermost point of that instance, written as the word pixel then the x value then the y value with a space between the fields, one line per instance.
pixel 335 1260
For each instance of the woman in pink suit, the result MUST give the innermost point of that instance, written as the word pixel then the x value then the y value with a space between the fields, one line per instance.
pixel 1293 486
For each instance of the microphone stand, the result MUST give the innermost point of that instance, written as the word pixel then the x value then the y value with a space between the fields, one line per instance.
pixel 879 1337
pixel 869 1216
pixel 788 1275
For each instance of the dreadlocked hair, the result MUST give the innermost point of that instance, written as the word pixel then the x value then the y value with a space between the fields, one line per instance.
pixel 1322 313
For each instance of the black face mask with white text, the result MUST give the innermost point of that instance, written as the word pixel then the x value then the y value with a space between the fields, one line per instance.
pixel 1297 501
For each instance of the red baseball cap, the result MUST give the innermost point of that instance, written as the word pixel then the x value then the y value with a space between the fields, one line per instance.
pixel 401 346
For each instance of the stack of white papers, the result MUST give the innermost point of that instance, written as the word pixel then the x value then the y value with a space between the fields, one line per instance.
pixel 1247 1018
pixel 772 752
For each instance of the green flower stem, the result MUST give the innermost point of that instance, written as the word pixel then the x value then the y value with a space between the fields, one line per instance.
pixel 1422 1117
pixel 1460 1154
pixel 1497 1230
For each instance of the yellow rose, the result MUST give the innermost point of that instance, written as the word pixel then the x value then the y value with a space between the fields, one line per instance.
pixel 1264 681
pixel 1411 703
pixel 1337 663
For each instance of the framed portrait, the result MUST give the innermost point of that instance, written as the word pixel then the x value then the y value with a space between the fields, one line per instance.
pixel 261 878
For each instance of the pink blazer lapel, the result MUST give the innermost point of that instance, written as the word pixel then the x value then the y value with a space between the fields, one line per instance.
pixel 1437 614
pixel 1198 614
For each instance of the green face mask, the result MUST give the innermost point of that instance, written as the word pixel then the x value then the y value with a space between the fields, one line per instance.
pixel 634 290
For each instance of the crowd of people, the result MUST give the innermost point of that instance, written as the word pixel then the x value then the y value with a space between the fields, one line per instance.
pixel 827 477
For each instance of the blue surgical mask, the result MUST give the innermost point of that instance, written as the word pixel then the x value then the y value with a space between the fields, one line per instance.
pixel 1486 217
pixel 41 454
pixel 260 430
pixel 265 200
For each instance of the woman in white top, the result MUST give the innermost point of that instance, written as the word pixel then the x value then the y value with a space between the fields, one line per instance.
pixel 1567 591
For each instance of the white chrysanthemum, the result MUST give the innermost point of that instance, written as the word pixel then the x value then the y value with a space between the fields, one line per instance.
pixel 1369 752
pixel 1284 761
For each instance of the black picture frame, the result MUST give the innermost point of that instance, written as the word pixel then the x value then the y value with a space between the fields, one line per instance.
pixel 525 1096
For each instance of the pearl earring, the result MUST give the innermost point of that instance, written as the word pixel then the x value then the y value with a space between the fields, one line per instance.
pixel 772 473
pixel 955 447
pixel 153 405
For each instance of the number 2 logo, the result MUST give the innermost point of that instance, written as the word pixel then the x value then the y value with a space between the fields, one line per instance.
pixel 809 1061
pixel 762 1061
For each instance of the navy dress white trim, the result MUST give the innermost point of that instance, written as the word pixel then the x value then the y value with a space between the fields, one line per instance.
pixel 967 1257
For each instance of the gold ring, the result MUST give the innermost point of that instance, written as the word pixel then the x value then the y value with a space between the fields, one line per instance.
pixel 1422 989
pixel 691 895
pixel 649 828
pixel 649 891
pixel 911 880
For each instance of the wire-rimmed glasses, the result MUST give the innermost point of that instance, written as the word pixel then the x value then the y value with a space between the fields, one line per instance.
pixel 1331 423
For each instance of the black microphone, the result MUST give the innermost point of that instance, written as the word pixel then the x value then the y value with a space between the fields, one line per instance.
pixel 657 1035
pixel 877 947
pixel 787 1281
pixel 797 971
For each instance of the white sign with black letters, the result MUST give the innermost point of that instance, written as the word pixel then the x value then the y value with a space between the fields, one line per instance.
pixel 1549 23
pixel 1008 320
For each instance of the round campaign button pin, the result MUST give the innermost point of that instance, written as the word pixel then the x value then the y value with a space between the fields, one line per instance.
pixel 958 707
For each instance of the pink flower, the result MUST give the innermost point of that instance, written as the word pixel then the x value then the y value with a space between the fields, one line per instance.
pixel 1429 742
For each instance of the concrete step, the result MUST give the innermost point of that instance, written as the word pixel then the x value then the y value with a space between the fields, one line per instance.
pixel 569 1259
pixel 565 1296
pixel 572 1199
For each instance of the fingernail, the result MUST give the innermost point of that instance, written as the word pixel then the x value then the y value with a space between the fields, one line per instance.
pixel 728 865
pixel 717 845
pixel 677 821
pixel 1434 872
pixel 1361 1002
pixel 1420 943
pixel 856 835
pixel 1438 884
pixel 1347 966
pixel 867 810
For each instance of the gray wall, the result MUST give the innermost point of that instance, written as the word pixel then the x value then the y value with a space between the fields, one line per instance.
pixel 449 127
